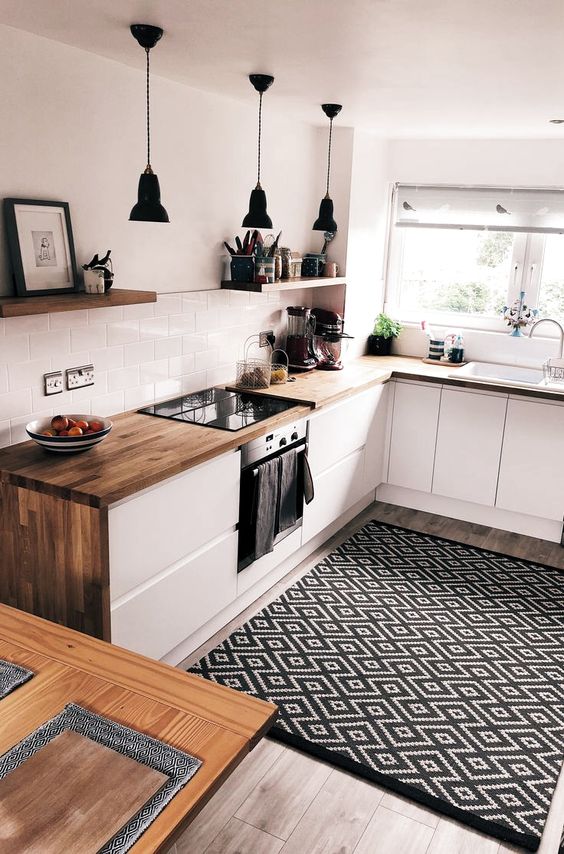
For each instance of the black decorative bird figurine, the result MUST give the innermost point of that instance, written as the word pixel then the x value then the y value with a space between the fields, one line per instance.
pixel 500 209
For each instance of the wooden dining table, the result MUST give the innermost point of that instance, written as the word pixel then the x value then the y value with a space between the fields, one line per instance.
pixel 217 725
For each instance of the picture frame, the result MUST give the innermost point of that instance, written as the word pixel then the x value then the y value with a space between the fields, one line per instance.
pixel 41 247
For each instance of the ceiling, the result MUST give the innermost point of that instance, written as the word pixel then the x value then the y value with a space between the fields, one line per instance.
pixel 401 68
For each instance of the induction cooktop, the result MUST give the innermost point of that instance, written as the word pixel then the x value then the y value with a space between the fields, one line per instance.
pixel 219 408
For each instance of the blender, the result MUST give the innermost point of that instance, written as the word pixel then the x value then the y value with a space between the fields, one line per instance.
pixel 301 326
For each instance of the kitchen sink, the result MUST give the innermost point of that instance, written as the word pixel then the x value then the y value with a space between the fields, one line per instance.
pixel 503 374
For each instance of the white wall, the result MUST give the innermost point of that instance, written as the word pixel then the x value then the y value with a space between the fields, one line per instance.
pixel 499 162
pixel 72 128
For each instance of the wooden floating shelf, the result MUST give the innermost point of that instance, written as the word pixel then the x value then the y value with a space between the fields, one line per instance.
pixel 21 306
pixel 285 284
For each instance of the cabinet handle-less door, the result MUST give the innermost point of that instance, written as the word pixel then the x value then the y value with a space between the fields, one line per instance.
pixel 414 432
pixel 469 445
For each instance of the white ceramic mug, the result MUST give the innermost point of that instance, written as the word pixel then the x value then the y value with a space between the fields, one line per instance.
pixel 94 281
pixel 331 269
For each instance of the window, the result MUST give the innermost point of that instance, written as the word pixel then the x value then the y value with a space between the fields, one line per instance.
pixel 446 267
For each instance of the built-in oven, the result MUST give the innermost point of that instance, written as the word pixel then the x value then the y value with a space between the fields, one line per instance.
pixel 274 478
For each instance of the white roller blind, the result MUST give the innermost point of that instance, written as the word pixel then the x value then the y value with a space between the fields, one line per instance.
pixel 480 208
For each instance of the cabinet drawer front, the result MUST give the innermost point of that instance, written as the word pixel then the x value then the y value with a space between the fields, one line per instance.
pixel 165 613
pixel 335 491
pixel 531 476
pixel 414 433
pixel 158 528
pixel 337 431
pixel 469 445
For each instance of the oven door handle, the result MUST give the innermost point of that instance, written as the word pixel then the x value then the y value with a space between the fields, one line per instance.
pixel 300 450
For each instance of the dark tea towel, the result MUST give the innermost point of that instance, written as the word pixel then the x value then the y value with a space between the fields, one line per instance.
pixel 268 476
pixel 288 504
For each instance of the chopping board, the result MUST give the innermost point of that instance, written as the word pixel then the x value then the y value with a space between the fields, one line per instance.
pixel 73 795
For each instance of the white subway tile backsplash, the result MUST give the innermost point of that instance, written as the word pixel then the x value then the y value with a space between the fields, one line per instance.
pixel 179 344
pixel 107 404
pixel 107 358
pixel 88 337
pixel 205 359
pixel 14 348
pixel 27 324
pixel 182 324
pixel 168 304
pixel 15 403
pixel 152 372
pixel 43 345
pixel 68 319
pixel 194 343
pixel 25 374
pixel 178 366
pixel 153 327
pixel 166 347
pixel 123 378
pixel 136 354
pixel 136 312
pixel 123 332
pixel 110 314
pixel 140 396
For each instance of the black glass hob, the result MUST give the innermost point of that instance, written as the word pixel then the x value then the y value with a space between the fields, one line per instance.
pixel 219 408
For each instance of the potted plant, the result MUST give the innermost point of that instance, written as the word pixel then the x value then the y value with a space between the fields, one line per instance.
pixel 385 329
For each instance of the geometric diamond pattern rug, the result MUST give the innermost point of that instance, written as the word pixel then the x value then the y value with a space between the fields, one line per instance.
pixel 428 666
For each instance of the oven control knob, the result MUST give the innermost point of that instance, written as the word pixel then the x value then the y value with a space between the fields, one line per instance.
pixel 283 442
pixel 294 436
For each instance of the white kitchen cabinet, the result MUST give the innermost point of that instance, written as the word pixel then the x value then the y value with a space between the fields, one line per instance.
pixel 338 430
pixel 169 609
pixel 414 433
pixel 336 490
pixel 151 531
pixel 468 449
pixel 531 477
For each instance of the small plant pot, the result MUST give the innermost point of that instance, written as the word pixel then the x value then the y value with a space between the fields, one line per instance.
pixel 379 346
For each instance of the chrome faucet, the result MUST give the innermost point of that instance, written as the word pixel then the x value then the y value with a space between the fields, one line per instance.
pixel 550 320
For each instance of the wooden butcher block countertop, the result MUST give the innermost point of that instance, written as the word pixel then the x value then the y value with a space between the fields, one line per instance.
pixel 213 723
pixel 142 451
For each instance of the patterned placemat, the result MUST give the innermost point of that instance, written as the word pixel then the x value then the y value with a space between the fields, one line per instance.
pixel 176 764
pixel 426 665
pixel 11 677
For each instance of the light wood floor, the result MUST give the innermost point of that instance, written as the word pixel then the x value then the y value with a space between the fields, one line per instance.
pixel 282 800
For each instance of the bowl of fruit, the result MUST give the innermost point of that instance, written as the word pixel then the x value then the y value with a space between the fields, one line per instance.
pixel 69 434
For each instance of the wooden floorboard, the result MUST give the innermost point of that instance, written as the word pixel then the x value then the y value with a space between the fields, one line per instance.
pixel 308 808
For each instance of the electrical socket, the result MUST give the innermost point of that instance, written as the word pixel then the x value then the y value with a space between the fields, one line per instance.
pixel 80 377
pixel 263 337
pixel 53 382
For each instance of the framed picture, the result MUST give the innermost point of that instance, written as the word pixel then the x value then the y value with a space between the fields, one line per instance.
pixel 41 247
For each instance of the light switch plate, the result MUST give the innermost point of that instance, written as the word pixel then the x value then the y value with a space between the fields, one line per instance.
pixel 80 377
pixel 53 382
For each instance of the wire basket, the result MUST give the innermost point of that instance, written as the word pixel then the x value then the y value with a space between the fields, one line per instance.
pixel 279 369
pixel 553 371
pixel 253 372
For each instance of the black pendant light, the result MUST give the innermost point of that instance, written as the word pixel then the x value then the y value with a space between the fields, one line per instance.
pixel 258 215
pixel 325 221
pixel 148 207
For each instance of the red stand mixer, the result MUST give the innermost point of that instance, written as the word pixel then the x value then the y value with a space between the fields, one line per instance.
pixel 328 339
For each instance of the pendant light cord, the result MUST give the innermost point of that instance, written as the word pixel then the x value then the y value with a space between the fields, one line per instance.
pixel 329 154
pixel 148 117
pixel 259 138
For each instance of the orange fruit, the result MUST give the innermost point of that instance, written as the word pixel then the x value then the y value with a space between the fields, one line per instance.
pixel 82 424
pixel 96 426
pixel 75 431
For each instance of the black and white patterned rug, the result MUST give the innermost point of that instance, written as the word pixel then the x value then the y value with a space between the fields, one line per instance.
pixel 428 666
pixel 178 766
pixel 11 677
